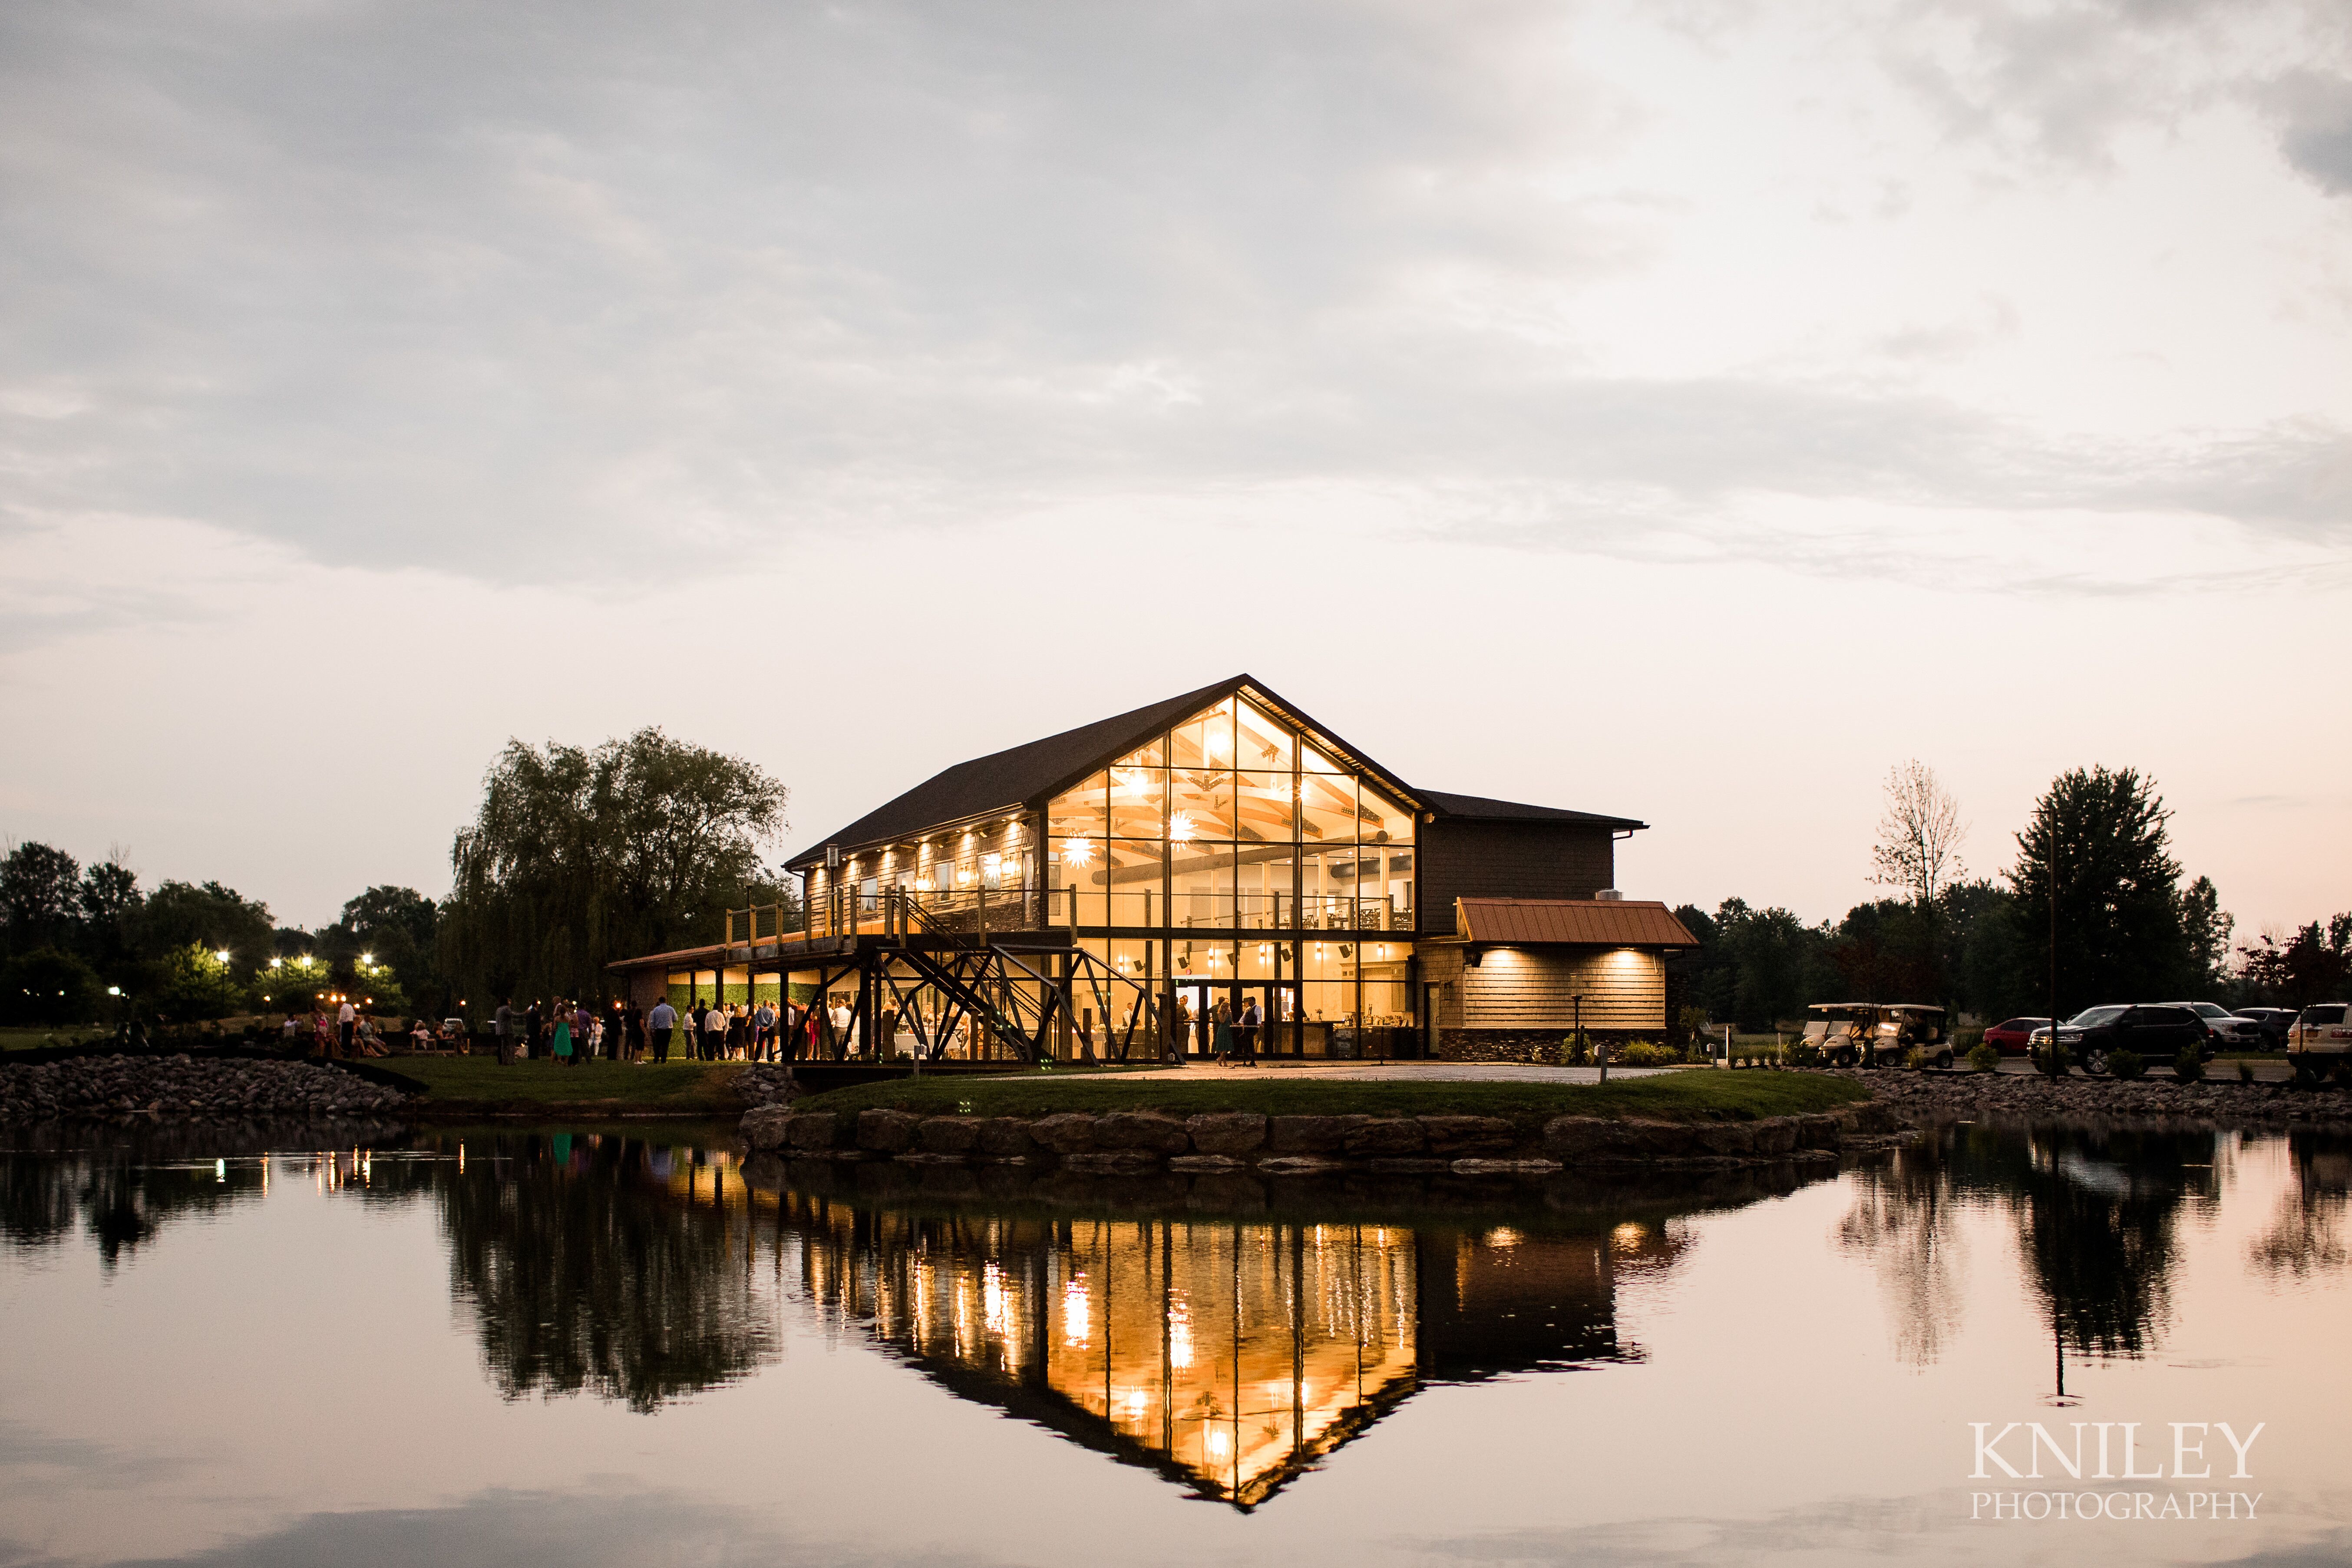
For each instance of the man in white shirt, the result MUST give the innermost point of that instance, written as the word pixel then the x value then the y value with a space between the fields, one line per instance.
pixel 661 1021
pixel 714 1034
pixel 763 1032
pixel 346 1016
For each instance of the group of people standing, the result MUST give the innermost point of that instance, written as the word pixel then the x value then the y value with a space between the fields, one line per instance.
pixel 570 1033
pixel 765 1033
pixel 1231 1037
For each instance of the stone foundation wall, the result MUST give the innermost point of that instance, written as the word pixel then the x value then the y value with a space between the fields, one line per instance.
pixel 1120 1141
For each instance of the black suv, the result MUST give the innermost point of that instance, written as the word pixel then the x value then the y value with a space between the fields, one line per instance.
pixel 2272 1023
pixel 2154 1033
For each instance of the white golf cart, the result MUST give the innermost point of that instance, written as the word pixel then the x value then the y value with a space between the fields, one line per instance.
pixel 1846 1033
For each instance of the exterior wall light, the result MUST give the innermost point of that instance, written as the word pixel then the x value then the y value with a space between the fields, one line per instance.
pixel 222 956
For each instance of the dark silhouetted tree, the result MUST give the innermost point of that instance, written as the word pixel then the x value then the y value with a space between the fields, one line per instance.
pixel 2099 838
pixel 577 857
pixel 40 897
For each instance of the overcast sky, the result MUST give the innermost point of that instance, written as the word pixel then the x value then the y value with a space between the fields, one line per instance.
pixel 1684 409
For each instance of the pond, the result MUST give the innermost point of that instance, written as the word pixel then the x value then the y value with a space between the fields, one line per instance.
pixel 370 1346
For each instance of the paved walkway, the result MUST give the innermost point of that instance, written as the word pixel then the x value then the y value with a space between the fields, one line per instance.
pixel 1419 1072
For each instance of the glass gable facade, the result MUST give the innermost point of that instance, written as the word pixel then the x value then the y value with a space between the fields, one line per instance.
pixel 1235 822
pixel 1233 861
pixel 1236 862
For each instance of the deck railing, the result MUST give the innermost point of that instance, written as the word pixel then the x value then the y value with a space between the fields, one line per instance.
pixel 974 910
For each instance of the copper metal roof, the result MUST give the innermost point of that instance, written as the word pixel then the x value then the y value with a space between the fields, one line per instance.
pixel 1585 922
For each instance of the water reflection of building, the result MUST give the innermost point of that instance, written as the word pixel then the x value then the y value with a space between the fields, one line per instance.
pixel 1228 1355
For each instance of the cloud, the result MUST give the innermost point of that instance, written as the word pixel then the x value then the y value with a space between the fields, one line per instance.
pixel 561 295
pixel 2316 132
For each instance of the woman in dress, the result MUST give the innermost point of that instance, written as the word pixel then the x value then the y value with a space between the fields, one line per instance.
pixel 562 1036
pixel 1223 1034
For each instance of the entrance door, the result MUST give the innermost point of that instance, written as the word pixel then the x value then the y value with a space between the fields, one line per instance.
pixel 1277 1008
pixel 1200 998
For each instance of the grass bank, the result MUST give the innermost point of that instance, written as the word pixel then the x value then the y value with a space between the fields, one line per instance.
pixel 472 1086
pixel 33 1038
pixel 1673 1097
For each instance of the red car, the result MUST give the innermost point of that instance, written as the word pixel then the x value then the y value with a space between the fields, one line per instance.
pixel 2009 1038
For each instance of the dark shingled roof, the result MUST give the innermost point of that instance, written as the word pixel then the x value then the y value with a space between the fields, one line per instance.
pixel 1478 808
pixel 1007 779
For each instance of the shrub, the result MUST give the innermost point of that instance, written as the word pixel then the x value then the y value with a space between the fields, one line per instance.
pixel 2125 1065
pixel 2245 1072
pixel 1804 1053
pixel 1984 1057
pixel 1642 1053
pixel 1915 1058
pixel 1966 1040
pixel 2052 1058
pixel 2189 1066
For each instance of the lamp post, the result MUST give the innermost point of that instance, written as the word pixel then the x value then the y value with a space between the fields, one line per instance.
pixel 2056 1067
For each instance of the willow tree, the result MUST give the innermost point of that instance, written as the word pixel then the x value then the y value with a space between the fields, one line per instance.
pixel 577 857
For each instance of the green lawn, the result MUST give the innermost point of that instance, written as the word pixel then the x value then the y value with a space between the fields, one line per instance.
pixel 1677 1096
pixel 27 1040
pixel 673 1088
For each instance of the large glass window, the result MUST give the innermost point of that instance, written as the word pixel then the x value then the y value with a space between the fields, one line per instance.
pixel 1201 805
pixel 1134 881
pixel 1253 824
pixel 1085 810
pixel 1139 801
pixel 1261 740
pixel 1201 877
pixel 1262 893
pixel 1204 742
pixel 1384 820
pixel 1326 808
pixel 1263 807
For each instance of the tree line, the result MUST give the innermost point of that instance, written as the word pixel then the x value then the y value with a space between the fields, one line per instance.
pixel 577 856
pixel 2093 883
pixel 86 944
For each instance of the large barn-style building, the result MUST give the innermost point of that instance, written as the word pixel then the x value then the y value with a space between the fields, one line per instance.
pixel 1115 890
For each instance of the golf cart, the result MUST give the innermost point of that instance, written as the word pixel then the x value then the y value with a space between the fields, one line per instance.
pixel 1848 1033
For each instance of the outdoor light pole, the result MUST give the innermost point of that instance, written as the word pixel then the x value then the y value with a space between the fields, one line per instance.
pixel 2056 1069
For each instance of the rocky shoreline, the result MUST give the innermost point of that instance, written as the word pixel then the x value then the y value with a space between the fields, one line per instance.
pixel 1901 1103
pixel 1929 1098
pixel 106 1087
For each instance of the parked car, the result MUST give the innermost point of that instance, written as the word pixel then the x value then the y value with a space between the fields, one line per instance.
pixel 2009 1036
pixel 1841 1030
pixel 2228 1029
pixel 2272 1023
pixel 2155 1032
pixel 2321 1042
